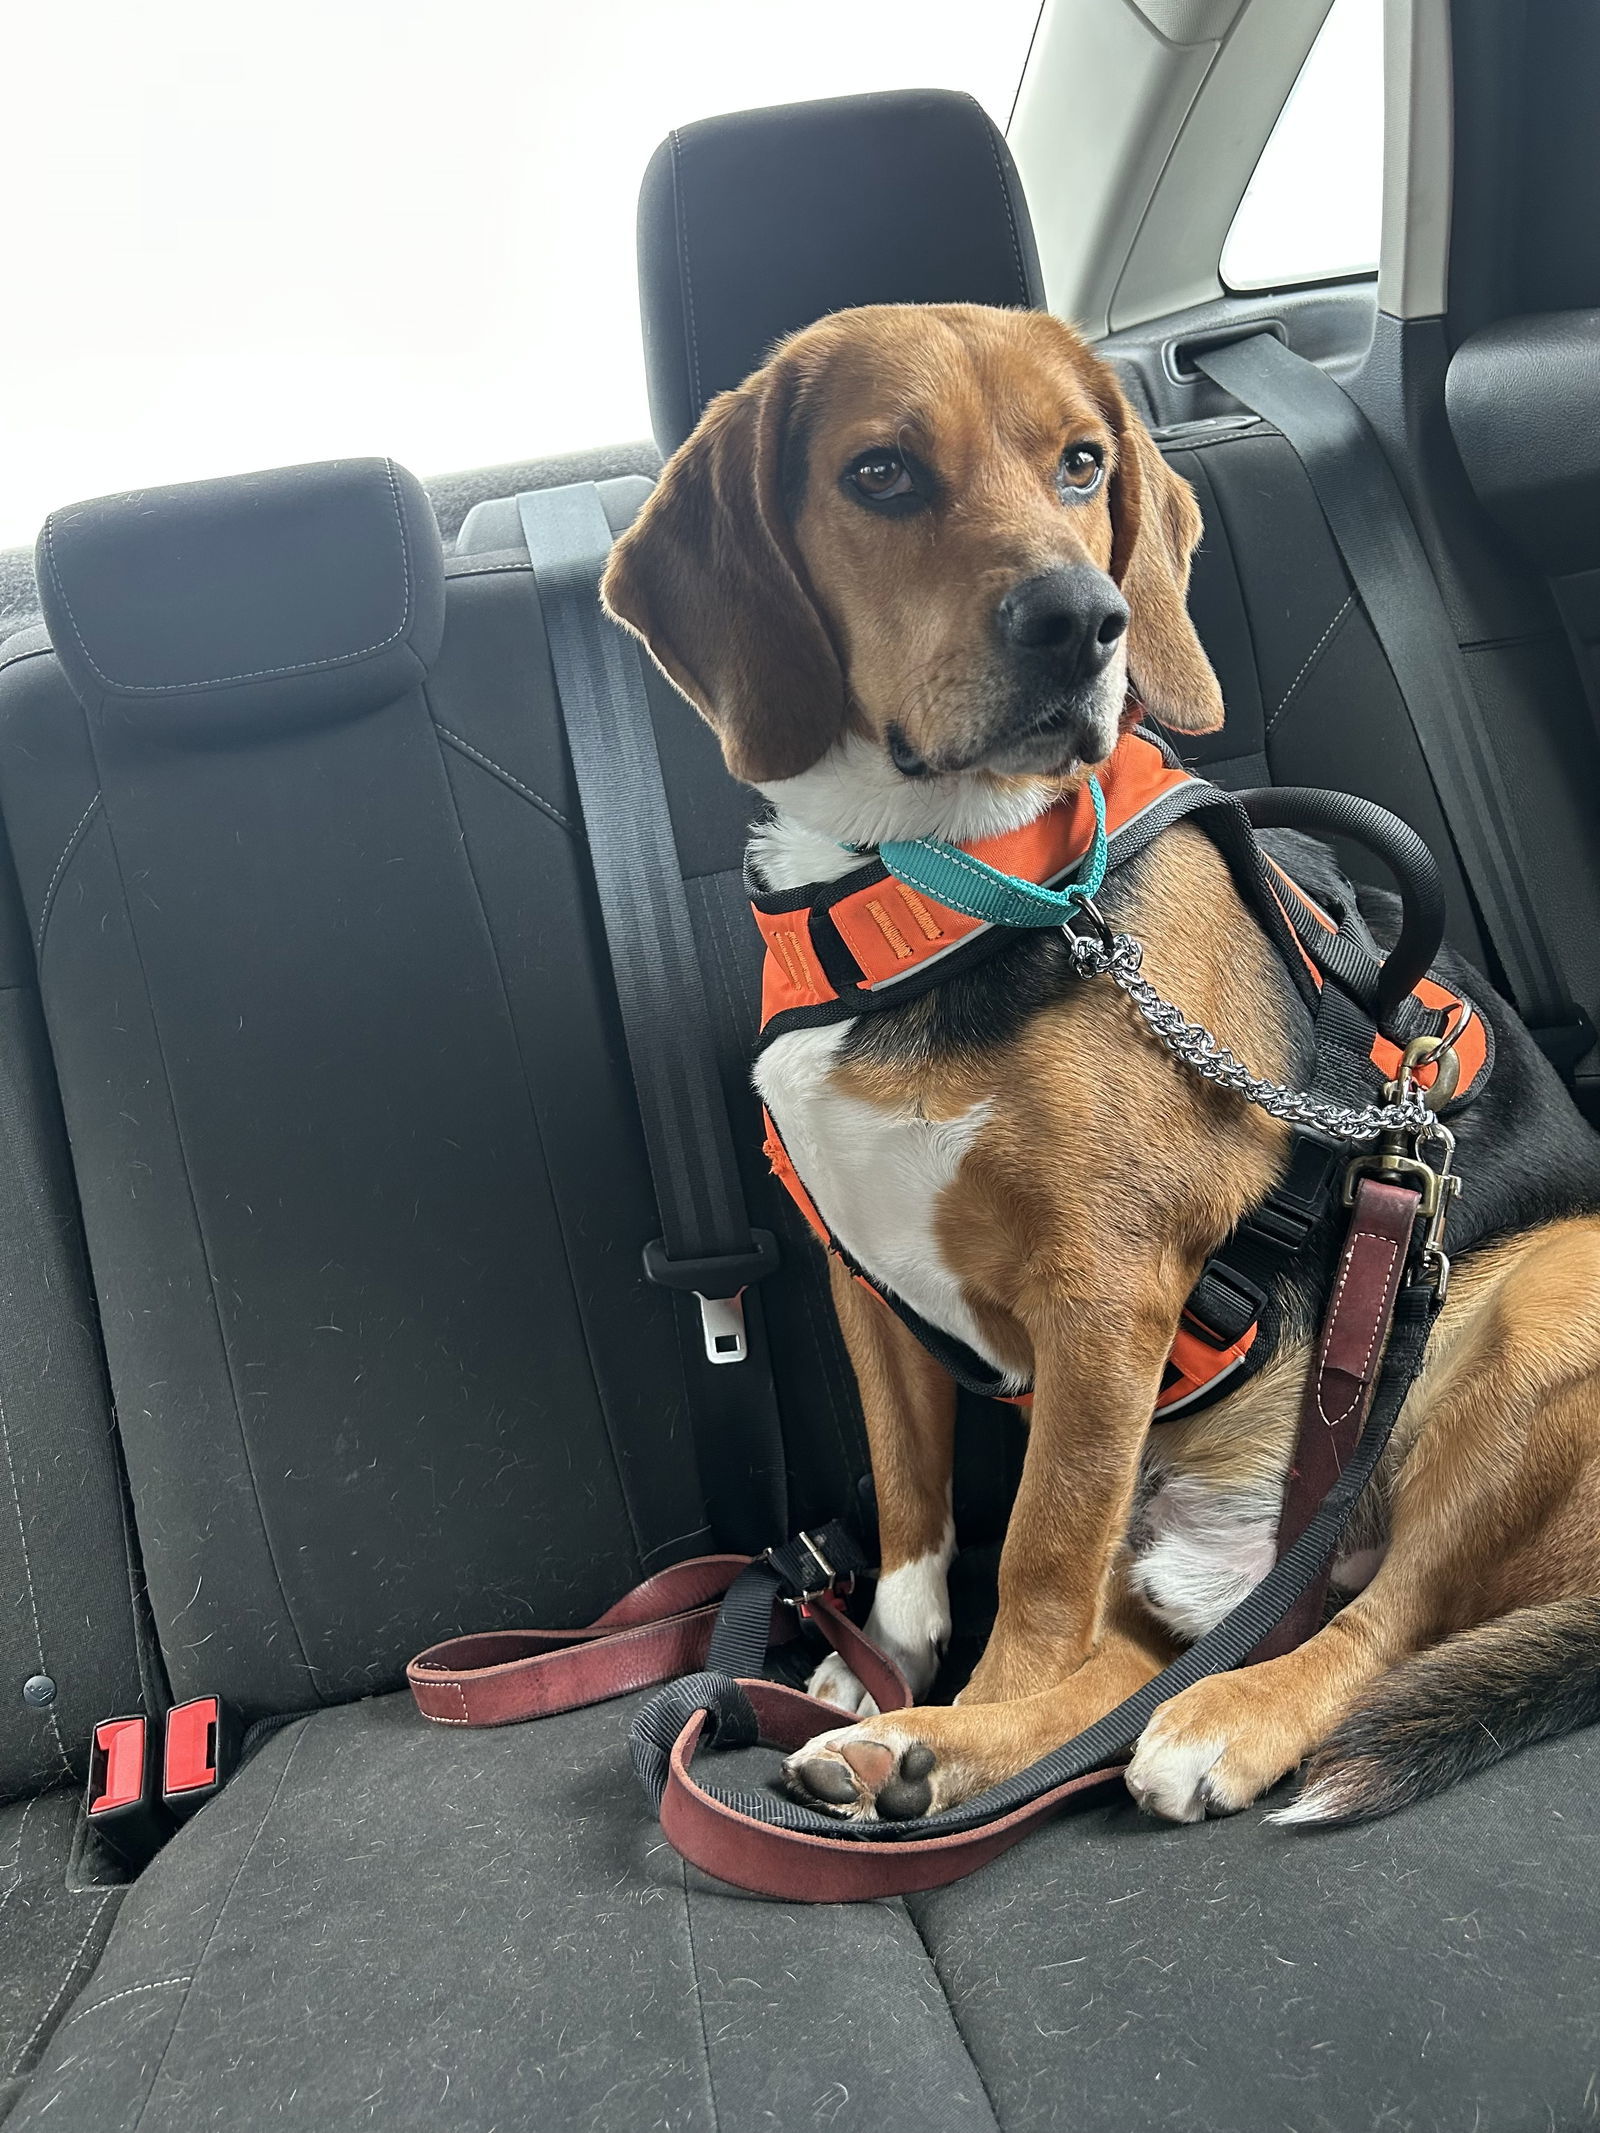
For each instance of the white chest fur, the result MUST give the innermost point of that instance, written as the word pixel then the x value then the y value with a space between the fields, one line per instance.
pixel 877 1176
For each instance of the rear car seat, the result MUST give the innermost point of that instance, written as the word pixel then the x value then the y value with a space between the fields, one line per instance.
pixel 363 1198
pixel 69 1648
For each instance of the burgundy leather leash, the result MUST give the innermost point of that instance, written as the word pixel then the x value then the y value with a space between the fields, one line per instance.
pixel 660 1629
pixel 1370 1351
pixel 656 1632
pixel 1344 1377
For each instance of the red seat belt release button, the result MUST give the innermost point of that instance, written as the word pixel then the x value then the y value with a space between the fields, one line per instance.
pixel 116 1769
pixel 202 1747
pixel 124 1797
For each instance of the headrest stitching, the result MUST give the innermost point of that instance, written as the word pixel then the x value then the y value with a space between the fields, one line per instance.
pixel 1005 194
pixel 220 681
pixel 685 272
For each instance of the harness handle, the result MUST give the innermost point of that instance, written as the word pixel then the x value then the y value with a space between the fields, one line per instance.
pixel 1397 845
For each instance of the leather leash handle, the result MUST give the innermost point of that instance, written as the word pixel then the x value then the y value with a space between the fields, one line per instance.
pixel 1344 1376
pixel 660 1629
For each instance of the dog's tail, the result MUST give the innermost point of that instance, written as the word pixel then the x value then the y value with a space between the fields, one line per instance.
pixel 1456 1709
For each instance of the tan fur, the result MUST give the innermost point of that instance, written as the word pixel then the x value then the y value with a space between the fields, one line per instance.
pixel 1104 1174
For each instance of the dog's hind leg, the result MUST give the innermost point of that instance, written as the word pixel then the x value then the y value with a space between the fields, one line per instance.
pixel 1491 1576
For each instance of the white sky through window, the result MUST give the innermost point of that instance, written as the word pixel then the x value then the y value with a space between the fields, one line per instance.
pixel 246 236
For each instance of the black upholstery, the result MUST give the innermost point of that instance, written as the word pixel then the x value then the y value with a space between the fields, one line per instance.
pixel 58 1903
pixel 382 1923
pixel 69 1647
pixel 65 1568
pixel 754 225
pixel 361 1175
pixel 1523 401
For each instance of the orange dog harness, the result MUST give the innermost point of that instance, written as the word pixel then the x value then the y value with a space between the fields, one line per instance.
pixel 867 943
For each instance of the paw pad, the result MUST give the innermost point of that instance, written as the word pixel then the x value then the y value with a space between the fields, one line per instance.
pixel 856 1775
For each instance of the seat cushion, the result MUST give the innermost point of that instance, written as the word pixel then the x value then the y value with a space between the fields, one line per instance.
pixel 385 1923
pixel 1437 1971
pixel 57 1904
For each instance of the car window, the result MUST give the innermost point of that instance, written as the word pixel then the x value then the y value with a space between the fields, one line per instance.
pixel 248 236
pixel 1313 210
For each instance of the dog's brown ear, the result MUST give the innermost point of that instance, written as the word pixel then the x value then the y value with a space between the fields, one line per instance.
pixel 1155 529
pixel 709 577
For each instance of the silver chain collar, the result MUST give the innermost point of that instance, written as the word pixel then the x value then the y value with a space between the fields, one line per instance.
pixel 1120 957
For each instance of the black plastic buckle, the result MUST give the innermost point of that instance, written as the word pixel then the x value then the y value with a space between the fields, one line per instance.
pixel 815 1563
pixel 201 1752
pixel 1300 1199
pixel 123 1803
pixel 718 1283
pixel 1223 1304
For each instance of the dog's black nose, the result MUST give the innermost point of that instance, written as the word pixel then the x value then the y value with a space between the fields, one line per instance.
pixel 1070 617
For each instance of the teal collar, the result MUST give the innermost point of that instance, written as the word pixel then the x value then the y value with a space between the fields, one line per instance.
pixel 952 877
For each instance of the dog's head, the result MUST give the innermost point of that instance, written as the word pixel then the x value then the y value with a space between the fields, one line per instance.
pixel 940 529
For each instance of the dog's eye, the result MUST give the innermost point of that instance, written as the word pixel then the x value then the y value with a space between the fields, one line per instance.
pixel 1080 469
pixel 880 475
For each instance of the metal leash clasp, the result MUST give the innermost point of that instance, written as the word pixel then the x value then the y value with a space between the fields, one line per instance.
pixel 1401 1158
pixel 1433 1264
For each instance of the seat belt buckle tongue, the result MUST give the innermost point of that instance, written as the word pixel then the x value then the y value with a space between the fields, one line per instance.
pixel 202 1749
pixel 717 1284
pixel 123 1803
pixel 722 1323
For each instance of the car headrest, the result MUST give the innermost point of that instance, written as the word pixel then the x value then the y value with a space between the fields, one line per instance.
pixel 1523 402
pixel 753 225
pixel 302 595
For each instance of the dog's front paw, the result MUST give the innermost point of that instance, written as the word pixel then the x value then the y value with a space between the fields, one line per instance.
pixel 908 1763
pixel 1211 1751
pixel 910 1618
pixel 833 1682
pixel 866 1773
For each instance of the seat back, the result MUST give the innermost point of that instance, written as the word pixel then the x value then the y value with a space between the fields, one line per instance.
pixel 361 1175
pixel 69 1649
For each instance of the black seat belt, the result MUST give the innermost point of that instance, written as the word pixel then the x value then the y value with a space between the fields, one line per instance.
pixel 707 1247
pixel 1373 529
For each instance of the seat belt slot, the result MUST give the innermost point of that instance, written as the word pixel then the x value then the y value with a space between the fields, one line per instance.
pixel 201 1750
pixel 123 1802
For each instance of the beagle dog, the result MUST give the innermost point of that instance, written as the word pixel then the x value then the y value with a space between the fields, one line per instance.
pixel 920 572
